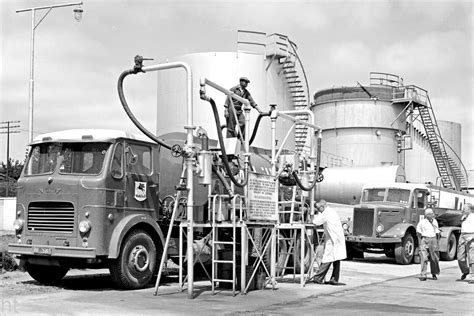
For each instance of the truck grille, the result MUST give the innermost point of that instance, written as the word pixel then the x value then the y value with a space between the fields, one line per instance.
pixel 363 221
pixel 51 217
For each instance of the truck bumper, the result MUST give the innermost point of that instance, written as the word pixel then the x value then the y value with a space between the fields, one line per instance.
pixel 52 251
pixel 373 240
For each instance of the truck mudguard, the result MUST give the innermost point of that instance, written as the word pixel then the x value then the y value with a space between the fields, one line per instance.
pixel 125 225
pixel 398 230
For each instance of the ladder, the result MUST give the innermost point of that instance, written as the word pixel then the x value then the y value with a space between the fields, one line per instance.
pixel 295 77
pixel 418 99
pixel 228 263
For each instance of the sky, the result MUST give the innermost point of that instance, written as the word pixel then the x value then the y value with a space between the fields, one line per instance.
pixel 77 64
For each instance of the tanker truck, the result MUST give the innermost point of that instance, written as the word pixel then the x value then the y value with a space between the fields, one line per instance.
pixel 102 198
pixel 385 219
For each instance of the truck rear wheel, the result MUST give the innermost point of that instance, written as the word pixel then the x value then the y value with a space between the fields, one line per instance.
pixel 46 274
pixel 450 254
pixel 405 250
pixel 136 264
pixel 307 250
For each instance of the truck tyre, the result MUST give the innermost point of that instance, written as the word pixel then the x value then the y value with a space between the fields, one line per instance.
pixel 136 264
pixel 46 274
pixel 405 251
pixel 307 250
pixel 281 256
pixel 452 247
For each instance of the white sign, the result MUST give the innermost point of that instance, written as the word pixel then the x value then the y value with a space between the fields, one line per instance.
pixel 140 191
pixel 262 197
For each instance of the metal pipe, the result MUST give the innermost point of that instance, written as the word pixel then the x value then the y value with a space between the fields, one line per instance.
pixel 189 165
pixel 49 6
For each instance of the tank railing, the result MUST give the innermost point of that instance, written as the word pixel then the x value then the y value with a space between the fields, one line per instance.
pixel 413 93
pixel 385 79
pixel 251 41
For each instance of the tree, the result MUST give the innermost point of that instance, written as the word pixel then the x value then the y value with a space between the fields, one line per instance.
pixel 14 173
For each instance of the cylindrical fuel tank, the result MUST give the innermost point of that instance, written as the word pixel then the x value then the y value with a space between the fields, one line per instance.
pixel 361 125
pixel 267 86
pixel 451 133
pixel 344 185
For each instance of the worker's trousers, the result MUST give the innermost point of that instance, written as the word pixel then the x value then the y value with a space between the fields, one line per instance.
pixel 429 251
pixel 324 268
pixel 466 252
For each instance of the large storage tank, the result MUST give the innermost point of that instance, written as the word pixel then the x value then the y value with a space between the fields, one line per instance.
pixel 360 123
pixel 267 86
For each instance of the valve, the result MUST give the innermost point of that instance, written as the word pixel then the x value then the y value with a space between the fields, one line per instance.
pixel 139 63
pixel 176 151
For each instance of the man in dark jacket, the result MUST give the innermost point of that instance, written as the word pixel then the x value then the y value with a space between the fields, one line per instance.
pixel 231 105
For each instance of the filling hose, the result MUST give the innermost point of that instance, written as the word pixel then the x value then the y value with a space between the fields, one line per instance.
pixel 318 161
pixel 129 112
pixel 224 155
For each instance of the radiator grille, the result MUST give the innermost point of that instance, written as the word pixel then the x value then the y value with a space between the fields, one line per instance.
pixel 363 222
pixel 51 217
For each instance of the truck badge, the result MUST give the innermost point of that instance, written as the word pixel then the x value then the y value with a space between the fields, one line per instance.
pixel 140 191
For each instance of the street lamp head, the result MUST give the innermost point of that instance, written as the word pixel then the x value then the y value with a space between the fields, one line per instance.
pixel 78 13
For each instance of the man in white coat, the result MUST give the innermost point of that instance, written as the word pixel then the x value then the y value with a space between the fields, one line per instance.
pixel 334 243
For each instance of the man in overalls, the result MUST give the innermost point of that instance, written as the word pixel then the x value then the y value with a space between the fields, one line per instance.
pixel 230 115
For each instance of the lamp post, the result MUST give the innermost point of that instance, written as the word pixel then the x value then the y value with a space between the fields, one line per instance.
pixel 77 15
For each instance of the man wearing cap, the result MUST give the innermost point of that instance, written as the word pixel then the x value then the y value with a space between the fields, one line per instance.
pixel 233 104
pixel 466 243
pixel 428 234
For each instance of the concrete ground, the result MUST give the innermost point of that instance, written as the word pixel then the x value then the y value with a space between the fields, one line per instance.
pixel 374 286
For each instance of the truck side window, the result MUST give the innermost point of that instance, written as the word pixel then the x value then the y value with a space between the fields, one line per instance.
pixel 420 199
pixel 143 159
pixel 116 170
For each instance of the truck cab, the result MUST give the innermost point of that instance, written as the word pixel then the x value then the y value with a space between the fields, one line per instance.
pixel 89 198
pixel 386 218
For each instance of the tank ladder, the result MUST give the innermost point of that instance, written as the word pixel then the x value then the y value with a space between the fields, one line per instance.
pixel 417 99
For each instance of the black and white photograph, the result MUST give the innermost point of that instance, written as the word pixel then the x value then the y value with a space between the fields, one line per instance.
pixel 236 157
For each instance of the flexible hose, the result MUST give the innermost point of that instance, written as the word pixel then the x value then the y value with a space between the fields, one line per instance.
pixel 224 154
pixel 130 114
pixel 257 123
pixel 223 180
pixel 318 161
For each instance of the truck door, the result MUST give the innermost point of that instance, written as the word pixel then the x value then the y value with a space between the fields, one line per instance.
pixel 420 199
pixel 141 177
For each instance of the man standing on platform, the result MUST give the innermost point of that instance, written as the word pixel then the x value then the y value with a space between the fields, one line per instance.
pixel 233 109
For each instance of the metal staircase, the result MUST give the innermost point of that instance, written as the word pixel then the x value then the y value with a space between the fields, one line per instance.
pixel 285 51
pixel 418 101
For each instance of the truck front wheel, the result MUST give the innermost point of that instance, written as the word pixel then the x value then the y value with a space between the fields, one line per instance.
pixel 136 264
pixel 46 274
pixel 405 251
pixel 450 254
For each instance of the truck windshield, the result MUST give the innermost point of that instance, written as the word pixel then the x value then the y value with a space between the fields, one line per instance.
pixel 74 158
pixel 390 195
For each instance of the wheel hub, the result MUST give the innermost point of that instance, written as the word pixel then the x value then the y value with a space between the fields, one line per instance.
pixel 409 249
pixel 140 258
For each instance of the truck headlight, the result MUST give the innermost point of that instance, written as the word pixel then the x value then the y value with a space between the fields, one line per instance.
pixel 84 227
pixel 345 226
pixel 379 228
pixel 18 225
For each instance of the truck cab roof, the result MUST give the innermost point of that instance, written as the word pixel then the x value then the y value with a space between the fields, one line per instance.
pixel 88 135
